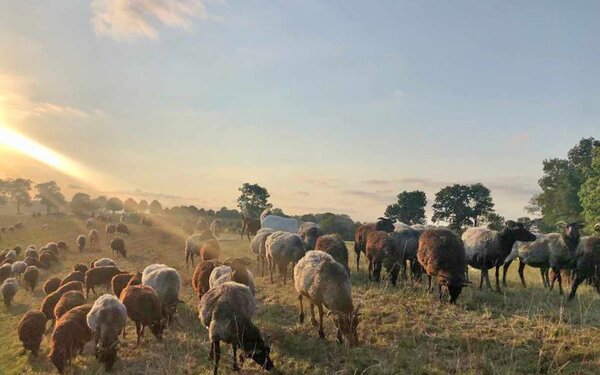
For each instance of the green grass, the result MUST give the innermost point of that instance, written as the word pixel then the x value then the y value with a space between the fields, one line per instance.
pixel 403 329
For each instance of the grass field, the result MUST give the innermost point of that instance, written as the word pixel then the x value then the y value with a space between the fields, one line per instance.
pixel 403 329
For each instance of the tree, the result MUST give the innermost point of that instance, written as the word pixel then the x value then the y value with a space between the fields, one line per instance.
pixel 494 221
pixel 279 212
pixel 82 204
pixel 462 205
pixel 3 190
pixel 49 195
pixel 100 203
pixel 130 205
pixel 589 194
pixel 155 207
pixel 17 192
pixel 253 200
pixel 143 205
pixel 410 208
pixel 114 204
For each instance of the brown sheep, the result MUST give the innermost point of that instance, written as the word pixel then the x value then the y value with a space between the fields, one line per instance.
pixel 442 254
pixel 73 276
pixel 46 259
pixel 250 226
pixel 51 285
pixel 119 282
pixel 5 272
pixel 210 250
pixel 136 279
pixel 122 228
pixel 70 334
pixel 382 251
pixel 110 230
pixel 31 261
pixel 99 276
pixel 52 299
pixel 68 301
pixel 31 277
pixel 80 267
pixel 62 246
pixel 94 237
pixel 118 246
pixel 333 245
pixel 31 330
pixel 360 236
pixel 145 309
pixel 81 242
pixel 200 278
pixel 52 247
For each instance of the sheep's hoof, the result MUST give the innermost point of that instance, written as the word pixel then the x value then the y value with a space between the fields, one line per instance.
pixel 301 317
pixel 321 334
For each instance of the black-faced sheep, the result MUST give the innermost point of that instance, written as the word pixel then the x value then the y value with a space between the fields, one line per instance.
pixel 31 277
pixel 73 276
pixel 233 269
pixel 31 330
pixel 554 251
pixel 70 334
pixel 94 237
pixel 227 312
pixel 258 247
pixel 442 255
pixel 81 242
pixel 122 228
pixel 107 319
pixel 167 284
pixel 52 299
pixel 382 250
pixel 325 282
pixel 281 249
pixel 119 282
pixel 68 301
pixel 486 248
pixel 588 265
pixel 145 309
pixel 99 276
pixel 117 246
pixel 9 289
pixel 201 276
pixel 360 236
pixel 333 245
pixel 110 230
pixel 51 285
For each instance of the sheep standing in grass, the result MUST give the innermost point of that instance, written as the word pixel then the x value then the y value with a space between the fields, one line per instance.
pixel 70 334
pixel 333 245
pixel 31 277
pixel 81 242
pixel 122 228
pixel 51 285
pixel 31 330
pixel 9 289
pixel 195 243
pixel 442 255
pixel 49 303
pixel 279 223
pixel 201 276
pixel 117 246
pixel 360 236
pixel 74 276
pixel 309 232
pixel 107 319
pixel 99 276
pixel 486 248
pixel 62 246
pixel 145 309
pixel 326 282
pixel 250 227
pixel 258 247
pixel 110 230
pixel 80 267
pixel 407 238
pixel 216 227
pixel 94 237
pixel 5 272
pixel 283 248
pixel 382 250
pixel 233 269
pixel 68 301
pixel 554 251
pixel 52 247
pixel 119 282
pixel 588 264
pixel 227 312
pixel 18 268
pixel 103 262
pixel 167 284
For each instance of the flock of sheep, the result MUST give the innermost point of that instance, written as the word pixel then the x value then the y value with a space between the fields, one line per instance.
pixel 226 289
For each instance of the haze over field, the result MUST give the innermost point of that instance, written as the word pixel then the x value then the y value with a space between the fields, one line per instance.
pixel 334 106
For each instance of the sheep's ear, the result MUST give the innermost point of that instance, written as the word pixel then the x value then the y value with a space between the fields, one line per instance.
pixel 561 224
pixel 510 224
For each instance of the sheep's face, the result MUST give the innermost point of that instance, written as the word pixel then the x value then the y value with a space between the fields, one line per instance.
pixel 157 329
pixel 347 326
pixel 107 354
pixel 573 230
pixel 384 224
pixel 260 355
pixel 521 233
pixel 454 290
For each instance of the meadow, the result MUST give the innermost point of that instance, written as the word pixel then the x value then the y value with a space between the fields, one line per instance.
pixel 402 330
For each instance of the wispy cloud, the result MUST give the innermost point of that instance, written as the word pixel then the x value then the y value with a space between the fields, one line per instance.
pixel 140 19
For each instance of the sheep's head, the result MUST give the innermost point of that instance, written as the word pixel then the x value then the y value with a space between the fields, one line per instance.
pixel 519 232
pixel 454 286
pixel 157 327
pixel 347 325
pixel 385 224
pixel 259 352
pixel 571 232
pixel 597 227
pixel 58 358
pixel 107 354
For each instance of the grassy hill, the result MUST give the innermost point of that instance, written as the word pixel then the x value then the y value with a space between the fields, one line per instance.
pixel 403 329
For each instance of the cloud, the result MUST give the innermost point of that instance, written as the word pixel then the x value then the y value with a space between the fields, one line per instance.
pixel 139 19
pixel 75 187
pixel 519 138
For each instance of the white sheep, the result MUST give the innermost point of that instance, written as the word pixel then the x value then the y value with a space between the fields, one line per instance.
pixel 281 249
pixel 233 270
pixel 18 268
pixel 104 262
pixel 257 245
pixel 107 320
pixel 167 284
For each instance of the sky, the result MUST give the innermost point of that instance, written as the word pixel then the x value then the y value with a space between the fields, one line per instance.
pixel 332 105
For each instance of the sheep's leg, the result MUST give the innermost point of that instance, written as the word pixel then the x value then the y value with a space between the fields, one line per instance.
pixel 257 264
pixel 263 261
pixel 138 331
pixel 217 354
pixel 429 283
pixel 559 278
pixel 313 320
pixel 521 268
pixel 357 260
pixel 284 270
pixel 187 256
pixel 545 278
pixel 301 316
pixel 498 279
pixel 321 332
pixel 487 280
pixel 370 269
pixel 235 365
pixel 578 280
pixel 481 277
pixel 271 268
pixel 440 292
pixel 504 272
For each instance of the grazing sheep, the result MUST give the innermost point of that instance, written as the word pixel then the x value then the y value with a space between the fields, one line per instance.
pixel 360 236
pixel 282 248
pixel 34 262
pixel 103 262
pixel 52 299
pixel 227 312
pixel 233 269
pixel 407 239
pixel 554 251
pixel 110 230
pixel 122 228
pixel 18 268
pixel 210 250
pixel 442 254
pixel 90 223
pixel 107 319
pixel 94 237
pixel 250 227
pixel 99 276
pixel 45 226
pixel 257 245
pixel 382 250
pixel 309 232
pixel 31 277
pixel 81 242
pixel 5 272
pixel 9 289
pixel 588 264
pixel 68 301
pixel 11 228
pixel 216 227
pixel 145 309
pixel 80 267
pixel 31 330
pixel 119 282
pixel 62 246
pixel 46 259
pixel 325 282
pixel 12 255
pixel 201 276
pixel 51 285
pixel 31 253
pixel 73 276
pixel 194 244
pixel 486 248
pixel 146 221
pixel 118 247
pixel 52 247
pixel 333 245
pixel 167 284
pixel 70 334
pixel 136 279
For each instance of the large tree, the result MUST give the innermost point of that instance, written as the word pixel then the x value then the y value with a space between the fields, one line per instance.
pixel 114 204
pixel 18 192
pixel 589 193
pixel 82 204
pixel 462 205
pixel 143 205
pixel 253 200
pixel 130 205
pixel 49 195
pixel 100 203
pixel 155 207
pixel 409 209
